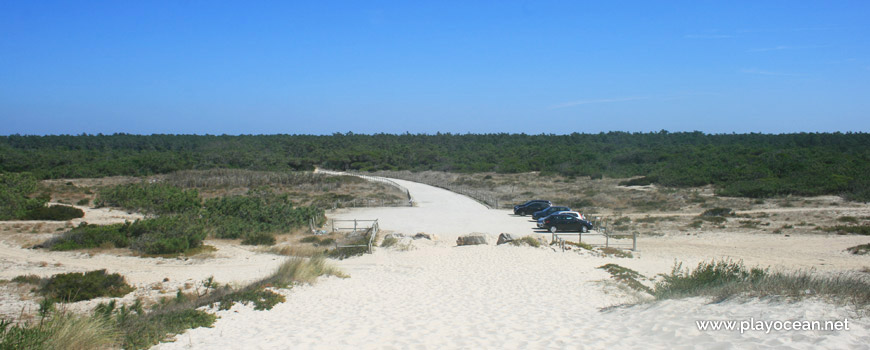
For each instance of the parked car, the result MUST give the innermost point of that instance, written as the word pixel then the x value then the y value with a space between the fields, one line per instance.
pixel 573 213
pixel 531 208
pixel 546 212
pixel 565 222
pixel 532 201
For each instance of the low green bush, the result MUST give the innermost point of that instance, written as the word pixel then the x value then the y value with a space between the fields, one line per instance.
pixel 263 299
pixel 236 216
pixel 86 236
pixel 717 212
pixel 28 279
pixel 77 286
pixel 640 181
pixel 150 198
pixel 169 234
pixel 389 242
pixel 54 212
pixel 850 229
pixel 310 239
pixel 259 238
pixel 861 249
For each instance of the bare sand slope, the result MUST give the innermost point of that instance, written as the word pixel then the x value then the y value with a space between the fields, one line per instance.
pixel 499 297
pixel 438 296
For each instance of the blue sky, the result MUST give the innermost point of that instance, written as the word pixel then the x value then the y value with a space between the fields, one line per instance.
pixel 319 67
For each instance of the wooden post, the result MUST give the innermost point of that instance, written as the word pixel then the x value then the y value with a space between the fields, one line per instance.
pixel 634 241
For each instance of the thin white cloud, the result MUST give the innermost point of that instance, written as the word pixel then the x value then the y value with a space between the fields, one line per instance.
pixel 767 72
pixel 784 47
pixel 774 30
pixel 603 100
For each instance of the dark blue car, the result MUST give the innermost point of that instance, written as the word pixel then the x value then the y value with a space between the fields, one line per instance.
pixel 546 212
pixel 531 208
pixel 564 222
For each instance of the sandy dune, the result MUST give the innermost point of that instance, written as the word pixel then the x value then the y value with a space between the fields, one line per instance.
pixel 438 296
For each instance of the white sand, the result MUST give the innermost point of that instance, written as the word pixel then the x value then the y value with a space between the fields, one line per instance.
pixel 440 296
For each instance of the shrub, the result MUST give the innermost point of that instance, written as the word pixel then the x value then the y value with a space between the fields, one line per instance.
pixel 262 298
pixel 87 236
pixel 259 238
pixel 54 212
pixel 310 239
pixel 236 216
pixel 163 235
pixel 848 219
pixel 83 201
pixel 149 198
pixel 640 181
pixel 717 212
pixel 28 279
pixel 389 242
pixel 14 192
pixel 857 250
pixel 77 286
pixel 847 229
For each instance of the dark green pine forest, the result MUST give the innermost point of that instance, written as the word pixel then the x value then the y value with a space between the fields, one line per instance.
pixel 750 165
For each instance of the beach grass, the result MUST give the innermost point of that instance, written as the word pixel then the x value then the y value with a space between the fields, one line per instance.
pixel 725 279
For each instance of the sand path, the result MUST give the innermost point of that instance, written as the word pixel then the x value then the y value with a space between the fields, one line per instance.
pixel 439 296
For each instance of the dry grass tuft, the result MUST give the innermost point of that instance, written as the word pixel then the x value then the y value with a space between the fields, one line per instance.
pixel 74 332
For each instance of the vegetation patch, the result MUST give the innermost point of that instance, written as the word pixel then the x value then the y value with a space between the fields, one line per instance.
pixel 862 249
pixel 626 276
pixel 15 191
pixel 725 279
pixel 259 238
pixel 850 229
pixel 55 213
pixel 389 241
pixel 149 198
pixel 60 331
pixel 260 211
pixel 716 212
pixel 262 298
pixel 169 234
pixel 526 241
pixel 640 181
pixel 619 253
pixel 77 286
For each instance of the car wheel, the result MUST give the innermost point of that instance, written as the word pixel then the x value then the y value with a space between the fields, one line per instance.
pixel 583 229
pixel 552 229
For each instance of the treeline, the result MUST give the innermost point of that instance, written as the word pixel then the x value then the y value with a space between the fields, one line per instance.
pixel 753 165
